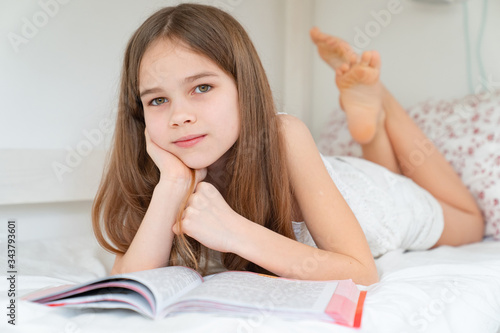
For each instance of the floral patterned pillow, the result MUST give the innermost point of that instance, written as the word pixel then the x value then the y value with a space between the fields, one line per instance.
pixel 466 131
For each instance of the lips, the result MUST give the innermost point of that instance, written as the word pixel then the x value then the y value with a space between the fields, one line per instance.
pixel 189 140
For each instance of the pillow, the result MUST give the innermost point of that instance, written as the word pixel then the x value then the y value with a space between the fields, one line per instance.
pixel 466 131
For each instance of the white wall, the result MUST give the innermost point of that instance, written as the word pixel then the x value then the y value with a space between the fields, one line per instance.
pixel 64 79
pixel 423 48
pixel 47 220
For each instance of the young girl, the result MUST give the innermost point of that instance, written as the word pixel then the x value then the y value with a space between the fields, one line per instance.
pixel 203 168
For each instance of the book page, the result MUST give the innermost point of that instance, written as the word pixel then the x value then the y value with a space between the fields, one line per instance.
pixel 102 287
pixel 168 283
pixel 157 288
pixel 117 298
pixel 244 288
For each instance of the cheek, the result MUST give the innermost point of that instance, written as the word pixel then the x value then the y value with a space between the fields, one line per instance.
pixel 235 106
pixel 155 130
pixel 236 121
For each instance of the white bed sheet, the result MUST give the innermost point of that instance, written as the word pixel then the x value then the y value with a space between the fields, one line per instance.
pixel 443 290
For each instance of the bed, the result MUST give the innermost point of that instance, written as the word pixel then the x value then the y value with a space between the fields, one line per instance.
pixel 443 290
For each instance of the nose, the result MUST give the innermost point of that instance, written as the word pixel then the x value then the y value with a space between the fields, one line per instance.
pixel 181 115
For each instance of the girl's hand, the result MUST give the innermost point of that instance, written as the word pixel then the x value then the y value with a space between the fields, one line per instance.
pixel 171 167
pixel 209 219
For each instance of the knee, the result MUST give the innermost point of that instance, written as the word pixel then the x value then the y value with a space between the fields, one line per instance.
pixel 461 230
pixel 479 230
pixel 474 232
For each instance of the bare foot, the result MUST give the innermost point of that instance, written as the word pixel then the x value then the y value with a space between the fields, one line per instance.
pixel 333 50
pixel 361 96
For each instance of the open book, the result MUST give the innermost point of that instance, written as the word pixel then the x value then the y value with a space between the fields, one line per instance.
pixel 162 292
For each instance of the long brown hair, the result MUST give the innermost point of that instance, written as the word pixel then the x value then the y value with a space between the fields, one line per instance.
pixel 258 181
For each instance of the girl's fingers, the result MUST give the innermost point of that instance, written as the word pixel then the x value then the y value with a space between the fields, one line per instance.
pixel 200 174
pixel 149 143
pixel 175 229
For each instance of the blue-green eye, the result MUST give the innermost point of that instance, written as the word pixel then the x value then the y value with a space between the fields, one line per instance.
pixel 158 101
pixel 202 88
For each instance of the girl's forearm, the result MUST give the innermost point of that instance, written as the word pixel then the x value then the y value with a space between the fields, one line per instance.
pixel 291 259
pixel 152 243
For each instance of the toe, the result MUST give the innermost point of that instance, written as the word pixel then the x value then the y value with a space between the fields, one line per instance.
pixel 360 74
pixel 366 58
pixel 375 61
pixel 316 35
pixel 353 58
pixel 344 68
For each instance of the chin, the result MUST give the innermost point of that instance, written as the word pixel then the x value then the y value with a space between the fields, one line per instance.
pixel 196 165
pixel 202 161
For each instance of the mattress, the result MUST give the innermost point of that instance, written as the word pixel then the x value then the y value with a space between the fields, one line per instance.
pixel 448 289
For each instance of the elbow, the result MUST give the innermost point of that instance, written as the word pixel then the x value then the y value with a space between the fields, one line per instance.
pixel 367 276
pixel 117 265
pixel 368 279
pixel 120 268
pixel 115 271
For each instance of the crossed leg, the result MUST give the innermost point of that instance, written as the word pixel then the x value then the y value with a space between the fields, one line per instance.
pixel 389 137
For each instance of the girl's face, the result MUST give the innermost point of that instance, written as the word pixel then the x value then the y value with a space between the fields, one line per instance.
pixel 190 104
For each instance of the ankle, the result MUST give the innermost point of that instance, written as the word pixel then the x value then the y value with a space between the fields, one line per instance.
pixel 378 135
pixel 391 107
pixel 387 99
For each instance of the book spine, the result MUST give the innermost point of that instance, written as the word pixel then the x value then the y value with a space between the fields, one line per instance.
pixel 344 303
pixel 359 309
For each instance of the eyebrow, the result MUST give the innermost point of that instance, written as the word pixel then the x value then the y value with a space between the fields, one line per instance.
pixel 188 79
pixel 195 77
